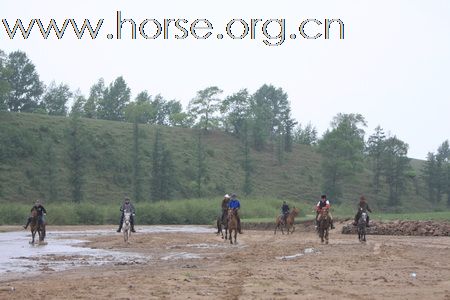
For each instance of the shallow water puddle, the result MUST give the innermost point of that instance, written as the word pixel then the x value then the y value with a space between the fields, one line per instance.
pixel 62 250
pixel 306 251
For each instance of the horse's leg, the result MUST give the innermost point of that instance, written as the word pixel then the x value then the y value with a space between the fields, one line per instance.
pixel 235 236
pixel 33 235
pixel 326 236
pixel 231 237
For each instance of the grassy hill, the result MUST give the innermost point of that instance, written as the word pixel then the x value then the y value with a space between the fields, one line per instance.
pixel 32 145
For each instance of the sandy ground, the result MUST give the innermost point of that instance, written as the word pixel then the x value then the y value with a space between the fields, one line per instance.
pixel 261 266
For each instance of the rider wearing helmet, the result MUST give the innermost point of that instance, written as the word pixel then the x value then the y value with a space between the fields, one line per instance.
pixel 323 203
pixel 285 211
pixel 362 207
pixel 127 207
pixel 40 211
pixel 235 205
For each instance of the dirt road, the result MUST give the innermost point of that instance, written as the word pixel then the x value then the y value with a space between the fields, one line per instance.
pixel 260 266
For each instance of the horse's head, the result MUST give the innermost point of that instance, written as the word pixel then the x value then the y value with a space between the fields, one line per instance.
pixel 324 211
pixel 34 212
pixel 363 216
pixel 295 211
pixel 127 217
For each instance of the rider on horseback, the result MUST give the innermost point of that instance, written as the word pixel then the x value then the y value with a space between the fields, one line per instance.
pixel 235 205
pixel 127 207
pixel 40 211
pixel 362 207
pixel 285 211
pixel 225 201
pixel 323 203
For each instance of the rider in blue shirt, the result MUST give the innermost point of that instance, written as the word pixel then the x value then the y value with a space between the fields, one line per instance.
pixel 236 205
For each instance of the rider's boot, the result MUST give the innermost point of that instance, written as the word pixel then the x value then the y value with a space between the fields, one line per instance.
pixel 132 228
pixel 239 226
pixel 332 225
pixel 120 228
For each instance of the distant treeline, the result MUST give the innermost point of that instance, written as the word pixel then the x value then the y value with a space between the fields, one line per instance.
pixel 260 122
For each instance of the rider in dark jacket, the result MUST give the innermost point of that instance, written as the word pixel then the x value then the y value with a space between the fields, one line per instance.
pixel 323 203
pixel 40 211
pixel 362 207
pixel 285 211
pixel 127 207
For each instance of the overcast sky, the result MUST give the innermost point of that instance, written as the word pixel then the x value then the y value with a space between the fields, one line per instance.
pixel 391 67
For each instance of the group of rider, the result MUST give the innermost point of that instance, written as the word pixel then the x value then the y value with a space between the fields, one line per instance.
pixel 363 206
pixel 228 202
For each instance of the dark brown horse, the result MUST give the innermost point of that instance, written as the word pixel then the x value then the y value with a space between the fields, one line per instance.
pixel 324 224
pixel 36 227
pixel 222 224
pixel 232 225
pixel 289 221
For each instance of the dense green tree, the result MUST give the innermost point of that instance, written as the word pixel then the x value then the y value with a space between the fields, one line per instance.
pixel 436 173
pixel 176 116
pixel 200 163
pixel 137 169
pixel 236 110
pixel 96 95
pixel 306 135
pixel 395 166
pixel 78 105
pixel 77 153
pixel 115 98
pixel 141 110
pixel 376 147
pixel 55 99
pixel 247 164
pixel 204 107
pixel 4 84
pixel 429 175
pixel 342 151
pixel 25 88
pixel 162 177
pixel 270 110
pixel 442 161
pixel 49 171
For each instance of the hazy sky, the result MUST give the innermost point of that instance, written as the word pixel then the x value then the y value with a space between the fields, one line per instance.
pixel 392 67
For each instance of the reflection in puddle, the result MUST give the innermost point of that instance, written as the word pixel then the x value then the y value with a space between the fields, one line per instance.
pixel 62 250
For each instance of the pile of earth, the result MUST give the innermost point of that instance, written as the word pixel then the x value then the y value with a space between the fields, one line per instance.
pixel 416 228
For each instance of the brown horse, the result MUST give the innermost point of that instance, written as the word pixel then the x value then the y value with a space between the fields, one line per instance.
pixel 289 221
pixel 222 224
pixel 324 224
pixel 36 227
pixel 232 225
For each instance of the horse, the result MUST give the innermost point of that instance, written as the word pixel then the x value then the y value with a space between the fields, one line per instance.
pixel 126 226
pixel 232 224
pixel 36 227
pixel 279 223
pixel 362 224
pixel 222 224
pixel 324 225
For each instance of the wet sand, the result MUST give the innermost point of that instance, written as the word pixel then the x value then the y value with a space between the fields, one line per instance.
pixel 190 265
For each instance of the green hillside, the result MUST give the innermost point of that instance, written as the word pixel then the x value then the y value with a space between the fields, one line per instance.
pixel 32 146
